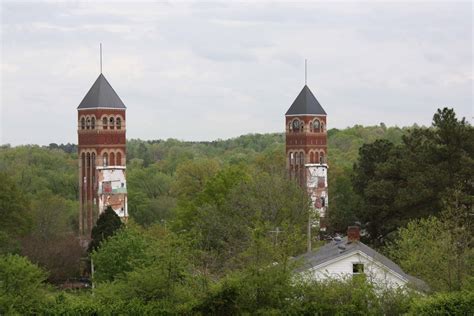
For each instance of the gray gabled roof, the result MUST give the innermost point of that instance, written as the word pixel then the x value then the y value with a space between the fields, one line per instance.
pixel 101 95
pixel 335 249
pixel 306 103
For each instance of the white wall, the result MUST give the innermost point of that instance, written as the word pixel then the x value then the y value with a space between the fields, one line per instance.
pixel 342 268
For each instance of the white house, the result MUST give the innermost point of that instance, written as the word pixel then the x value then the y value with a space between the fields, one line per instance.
pixel 346 257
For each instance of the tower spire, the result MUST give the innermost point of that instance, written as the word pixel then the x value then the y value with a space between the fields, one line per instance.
pixel 101 58
pixel 305 72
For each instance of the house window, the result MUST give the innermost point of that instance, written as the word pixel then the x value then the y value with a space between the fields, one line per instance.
pixel 104 123
pixel 357 268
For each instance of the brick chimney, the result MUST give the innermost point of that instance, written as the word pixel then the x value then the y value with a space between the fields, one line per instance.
pixel 353 233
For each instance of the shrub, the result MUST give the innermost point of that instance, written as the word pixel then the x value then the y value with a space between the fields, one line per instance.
pixel 22 287
pixel 453 303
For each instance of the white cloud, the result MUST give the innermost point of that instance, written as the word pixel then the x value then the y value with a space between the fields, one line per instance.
pixel 201 71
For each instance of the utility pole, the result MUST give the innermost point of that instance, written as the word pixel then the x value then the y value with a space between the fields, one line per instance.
pixel 276 232
pixel 309 231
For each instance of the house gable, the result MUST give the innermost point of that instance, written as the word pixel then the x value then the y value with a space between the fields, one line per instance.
pixel 341 267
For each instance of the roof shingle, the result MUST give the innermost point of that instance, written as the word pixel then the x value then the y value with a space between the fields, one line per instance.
pixel 335 249
pixel 306 103
pixel 101 95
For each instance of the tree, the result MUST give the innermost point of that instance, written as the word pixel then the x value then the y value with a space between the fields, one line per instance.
pixel 149 196
pixel 157 267
pixel 221 218
pixel 453 303
pixel 149 181
pixel 121 253
pixel 262 285
pixel 398 183
pixel 192 176
pixel 147 212
pixel 344 202
pixel 107 224
pixel 439 251
pixel 14 212
pixel 22 287
pixel 59 255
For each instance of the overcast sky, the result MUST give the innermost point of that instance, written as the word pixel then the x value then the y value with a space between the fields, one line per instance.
pixel 203 71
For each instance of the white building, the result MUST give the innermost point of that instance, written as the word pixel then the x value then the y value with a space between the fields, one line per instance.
pixel 346 257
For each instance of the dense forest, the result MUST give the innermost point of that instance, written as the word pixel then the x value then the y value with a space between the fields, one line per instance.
pixel 201 238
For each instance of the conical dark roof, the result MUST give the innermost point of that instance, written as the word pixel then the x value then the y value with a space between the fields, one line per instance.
pixel 306 103
pixel 101 95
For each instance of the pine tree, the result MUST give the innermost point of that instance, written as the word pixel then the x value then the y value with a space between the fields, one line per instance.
pixel 107 224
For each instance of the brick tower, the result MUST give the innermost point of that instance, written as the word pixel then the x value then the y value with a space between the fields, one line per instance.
pixel 306 149
pixel 101 154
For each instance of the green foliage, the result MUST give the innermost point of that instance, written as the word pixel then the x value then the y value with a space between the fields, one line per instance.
pixel 149 195
pixel 22 287
pixel 261 285
pixel 209 213
pixel 453 303
pixel 120 254
pixel 221 217
pixel 344 202
pixel 14 212
pixel 439 251
pixel 351 296
pixel 107 224
pixel 36 169
pixel 154 266
pixel 398 183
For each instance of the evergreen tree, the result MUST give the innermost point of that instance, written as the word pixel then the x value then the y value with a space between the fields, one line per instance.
pixel 399 183
pixel 107 224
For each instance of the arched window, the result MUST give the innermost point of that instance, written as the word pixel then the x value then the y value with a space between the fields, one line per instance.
pixel 104 122
pixel 118 159
pixel 93 122
pixel 295 125
pixel 316 126
pixel 111 123
pixel 106 160
pixel 301 159
pixel 302 127
pixel 83 123
pixel 93 167
pixel 118 122
pixel 321 158
pixel 112 159
pixel 296 159
pixel 88 122
pixel 291 159
pixel 316 157
pixel 83 166
pixel 311 157
pixel 88 160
